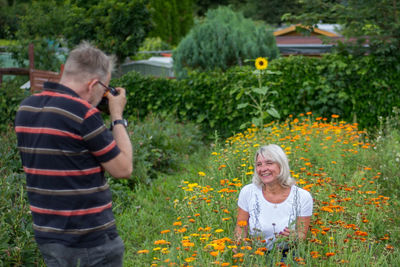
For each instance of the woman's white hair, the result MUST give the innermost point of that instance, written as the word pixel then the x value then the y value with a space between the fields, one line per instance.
pixel 276 154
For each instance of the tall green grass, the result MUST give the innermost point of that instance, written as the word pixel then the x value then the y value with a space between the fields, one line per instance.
pixel 188 219
pixel 186 215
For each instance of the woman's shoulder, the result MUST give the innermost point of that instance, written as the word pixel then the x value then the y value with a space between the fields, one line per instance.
pixel 249 188
pixel 302 191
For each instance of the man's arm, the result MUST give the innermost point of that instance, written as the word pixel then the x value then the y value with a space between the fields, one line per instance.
pixel 121 166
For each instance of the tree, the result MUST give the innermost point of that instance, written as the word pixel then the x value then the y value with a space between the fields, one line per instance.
pixel 115 26
pixel 224 39
pixel 377 19
pixel 270 11
pixel 10 11
pixel 171 19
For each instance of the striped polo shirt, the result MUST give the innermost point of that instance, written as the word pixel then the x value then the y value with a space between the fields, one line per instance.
pixel 62 140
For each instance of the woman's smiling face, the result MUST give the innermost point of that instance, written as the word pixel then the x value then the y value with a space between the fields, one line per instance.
pixel 267 169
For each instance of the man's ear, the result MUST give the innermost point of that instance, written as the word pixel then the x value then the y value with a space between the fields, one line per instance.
pixel 91 85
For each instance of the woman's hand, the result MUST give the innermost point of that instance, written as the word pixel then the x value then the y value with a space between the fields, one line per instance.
pixel 286 232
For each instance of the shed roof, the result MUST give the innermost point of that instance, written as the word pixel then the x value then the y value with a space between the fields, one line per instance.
pixel 292 31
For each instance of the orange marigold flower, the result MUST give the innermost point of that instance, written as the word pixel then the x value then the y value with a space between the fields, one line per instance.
pixel 330 254
pixel 360 233
pixel 214 253
pixel 257 252
pixel 165 231
pixel 177 223
pixel 389 247
pixel 143 251
pixel 242 223
pixel 238 255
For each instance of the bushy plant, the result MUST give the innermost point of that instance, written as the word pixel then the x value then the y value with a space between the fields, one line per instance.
pixel 160 146
pixel 357 89
pixel 17 245
pixel 151 44
pixel 11 96
pixel 387 157
pixel 224 39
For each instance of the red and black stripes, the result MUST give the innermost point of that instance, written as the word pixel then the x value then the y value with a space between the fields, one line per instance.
pixel 62 141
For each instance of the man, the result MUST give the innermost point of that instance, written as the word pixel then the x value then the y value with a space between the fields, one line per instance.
pixel 65 149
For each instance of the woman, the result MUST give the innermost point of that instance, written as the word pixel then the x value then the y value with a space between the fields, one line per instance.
pixel 273 206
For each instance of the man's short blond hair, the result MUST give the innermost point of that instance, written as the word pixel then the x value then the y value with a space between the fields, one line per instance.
pixel 87 62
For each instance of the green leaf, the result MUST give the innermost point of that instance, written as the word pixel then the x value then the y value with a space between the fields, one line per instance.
pixel 261 91
pixel 273 112
pixel 257 121
pixel 242 105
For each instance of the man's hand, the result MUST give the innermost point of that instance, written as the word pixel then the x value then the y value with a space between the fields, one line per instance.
pixel 116 104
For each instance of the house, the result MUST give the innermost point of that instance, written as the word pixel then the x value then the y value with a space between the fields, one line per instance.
pixel 300 40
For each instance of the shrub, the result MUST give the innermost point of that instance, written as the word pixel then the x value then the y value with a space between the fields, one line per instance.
pixel 222 40
pixel 151 44
pixel 159 146
pixel 357 89
pixel 17 245
pixel 11 96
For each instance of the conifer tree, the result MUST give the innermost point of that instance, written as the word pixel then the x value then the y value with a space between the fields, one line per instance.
pixel 172 19
pixel 224 39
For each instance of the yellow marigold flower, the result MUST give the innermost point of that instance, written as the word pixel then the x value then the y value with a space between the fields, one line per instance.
pixel 261 63
pixel 190 259
pixel 219 230
pixel 143 251
pixel 202 174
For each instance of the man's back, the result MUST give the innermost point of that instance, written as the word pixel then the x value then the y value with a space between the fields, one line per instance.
pixel 62 140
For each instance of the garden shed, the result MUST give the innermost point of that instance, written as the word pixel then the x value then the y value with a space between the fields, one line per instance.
pixel 291 41
pixel 154 66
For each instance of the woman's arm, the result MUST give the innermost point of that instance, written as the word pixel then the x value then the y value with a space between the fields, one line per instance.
pixel 241 224
pixel 302 228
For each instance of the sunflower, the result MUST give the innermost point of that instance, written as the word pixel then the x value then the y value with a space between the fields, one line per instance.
pixel 261 63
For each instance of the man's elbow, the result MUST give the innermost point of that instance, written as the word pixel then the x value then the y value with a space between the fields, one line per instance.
pixel 125 173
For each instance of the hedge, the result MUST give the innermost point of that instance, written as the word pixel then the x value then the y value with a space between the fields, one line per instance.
pixel 358 89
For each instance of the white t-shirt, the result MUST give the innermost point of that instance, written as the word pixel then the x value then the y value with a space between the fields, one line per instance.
pixel 268 219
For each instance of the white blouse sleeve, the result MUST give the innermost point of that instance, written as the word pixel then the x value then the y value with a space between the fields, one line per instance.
pixel 244 197
pixel 306 203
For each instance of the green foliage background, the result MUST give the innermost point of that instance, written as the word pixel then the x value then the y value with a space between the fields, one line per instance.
pixel 357 89
pixel 222 40
pixel 172 19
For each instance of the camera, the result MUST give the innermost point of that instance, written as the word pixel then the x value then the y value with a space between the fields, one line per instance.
pixel 103 105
